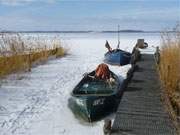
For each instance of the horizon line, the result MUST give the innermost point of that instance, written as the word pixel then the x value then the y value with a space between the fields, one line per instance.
pixel 84 31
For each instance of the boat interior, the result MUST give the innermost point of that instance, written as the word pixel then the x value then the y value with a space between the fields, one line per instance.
pixel 89 85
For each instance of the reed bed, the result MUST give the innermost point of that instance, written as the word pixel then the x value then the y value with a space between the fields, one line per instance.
pixel 18 53
pixel 169 68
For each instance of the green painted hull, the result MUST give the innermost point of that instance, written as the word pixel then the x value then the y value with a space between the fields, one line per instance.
pixel 93 107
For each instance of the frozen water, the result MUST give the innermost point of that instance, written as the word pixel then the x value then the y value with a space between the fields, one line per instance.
pixel 35 103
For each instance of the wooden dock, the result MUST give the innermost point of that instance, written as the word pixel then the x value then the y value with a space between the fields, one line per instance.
pixel 141 111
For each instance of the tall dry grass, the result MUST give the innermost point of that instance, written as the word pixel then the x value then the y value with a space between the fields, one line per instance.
pixel 169 67
pixel 18 53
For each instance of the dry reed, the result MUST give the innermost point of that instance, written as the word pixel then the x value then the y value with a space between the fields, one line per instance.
pixel 18 53
pixel 169 67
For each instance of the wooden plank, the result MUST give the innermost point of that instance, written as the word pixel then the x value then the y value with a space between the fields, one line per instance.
pixel 141 111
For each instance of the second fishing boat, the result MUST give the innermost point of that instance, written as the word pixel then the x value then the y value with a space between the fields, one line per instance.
pixel 116 56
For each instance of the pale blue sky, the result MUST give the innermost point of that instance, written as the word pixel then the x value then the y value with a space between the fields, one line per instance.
pixel 88 14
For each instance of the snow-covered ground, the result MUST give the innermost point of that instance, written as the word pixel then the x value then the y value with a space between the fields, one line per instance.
pixel 35 103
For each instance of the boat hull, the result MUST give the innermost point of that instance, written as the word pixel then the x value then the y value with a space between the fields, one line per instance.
pixel 93 108
pixel 117 57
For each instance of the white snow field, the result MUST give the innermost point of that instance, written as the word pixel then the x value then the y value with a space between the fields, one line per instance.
pixel 35 103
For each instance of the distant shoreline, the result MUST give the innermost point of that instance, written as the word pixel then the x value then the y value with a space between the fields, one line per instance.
pixel 108 31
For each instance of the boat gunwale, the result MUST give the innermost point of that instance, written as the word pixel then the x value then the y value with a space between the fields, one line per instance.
pixel 97 95
pixel 118 50
pixel 94 95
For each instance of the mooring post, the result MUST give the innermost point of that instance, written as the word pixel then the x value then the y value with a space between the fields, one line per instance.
pixel 29 60
pixel 107 127
pixel 140 42
pixel 136 55
pixel 157 55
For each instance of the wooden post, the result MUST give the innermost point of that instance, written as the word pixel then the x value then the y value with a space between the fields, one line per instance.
pixel 140 43
pixel 107 127
pixel 29 61
pixel 157 55
pixel 136 55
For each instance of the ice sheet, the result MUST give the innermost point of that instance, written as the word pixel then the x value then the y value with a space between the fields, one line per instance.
pixel 35 103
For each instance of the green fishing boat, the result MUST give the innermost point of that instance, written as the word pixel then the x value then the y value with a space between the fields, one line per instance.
pixel 93 99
